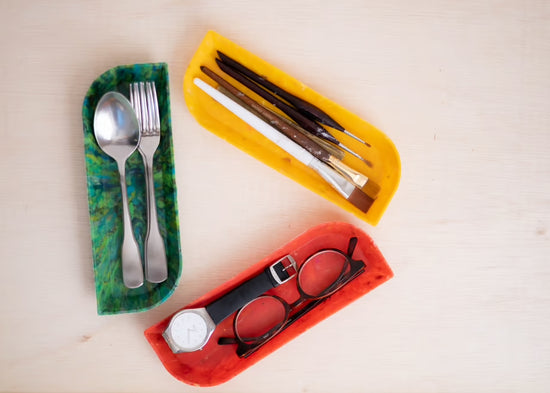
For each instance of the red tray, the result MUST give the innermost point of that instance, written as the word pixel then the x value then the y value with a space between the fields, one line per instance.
pixel 202 368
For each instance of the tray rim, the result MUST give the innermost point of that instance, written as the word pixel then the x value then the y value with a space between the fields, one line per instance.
pixel 184 373
pixel 162 70
pixel 274 157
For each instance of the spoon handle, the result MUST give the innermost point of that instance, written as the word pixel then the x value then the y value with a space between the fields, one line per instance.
pixel 132 269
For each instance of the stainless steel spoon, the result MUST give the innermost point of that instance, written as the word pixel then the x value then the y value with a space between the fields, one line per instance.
pixel 116 130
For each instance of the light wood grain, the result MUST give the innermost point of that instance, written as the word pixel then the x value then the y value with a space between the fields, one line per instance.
pixel 463 90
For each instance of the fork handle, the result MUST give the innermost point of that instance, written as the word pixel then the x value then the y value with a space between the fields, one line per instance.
pixel 132 270
pixel 156 265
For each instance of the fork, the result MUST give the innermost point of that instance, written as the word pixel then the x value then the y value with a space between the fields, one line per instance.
pixel 143 96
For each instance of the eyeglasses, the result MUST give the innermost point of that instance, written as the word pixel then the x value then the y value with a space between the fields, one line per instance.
pixel 321 274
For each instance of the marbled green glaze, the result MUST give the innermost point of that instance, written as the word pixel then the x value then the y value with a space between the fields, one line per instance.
pixel 105 200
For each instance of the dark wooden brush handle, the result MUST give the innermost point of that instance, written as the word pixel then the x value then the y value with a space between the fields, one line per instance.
pixel 308 109
pixel 299 118
pixel 277 123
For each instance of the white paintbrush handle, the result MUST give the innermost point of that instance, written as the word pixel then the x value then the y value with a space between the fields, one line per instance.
pixel 340 183
pixel 258 124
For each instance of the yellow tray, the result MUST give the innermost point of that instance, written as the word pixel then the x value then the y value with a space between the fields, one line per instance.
pixel 386 168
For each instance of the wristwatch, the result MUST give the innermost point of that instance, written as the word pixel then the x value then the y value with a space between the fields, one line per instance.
pixel 189 330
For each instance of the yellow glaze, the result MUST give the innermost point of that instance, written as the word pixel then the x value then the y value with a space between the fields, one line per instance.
pixel 386 169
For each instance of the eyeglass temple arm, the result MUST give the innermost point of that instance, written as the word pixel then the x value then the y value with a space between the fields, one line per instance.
pixel 351 246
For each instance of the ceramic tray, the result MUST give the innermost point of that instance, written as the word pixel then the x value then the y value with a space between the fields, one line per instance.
pixel 105 201
pixel 215 364
pixel 386 169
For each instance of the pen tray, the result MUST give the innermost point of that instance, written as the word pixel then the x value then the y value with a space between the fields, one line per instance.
pixel 386 168
pixel 215 363
pixel 105 198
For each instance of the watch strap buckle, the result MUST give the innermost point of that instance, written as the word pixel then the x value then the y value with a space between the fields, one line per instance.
pixel 284 269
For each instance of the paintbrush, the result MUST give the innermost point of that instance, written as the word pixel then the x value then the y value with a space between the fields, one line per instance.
pixel 321 142
pixel 332 149
pixel 356 177
pixel 308 109
pixel 290 131
pixel 293 113
pixel 347 189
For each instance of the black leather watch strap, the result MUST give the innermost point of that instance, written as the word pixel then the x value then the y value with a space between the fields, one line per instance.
pixel 249 290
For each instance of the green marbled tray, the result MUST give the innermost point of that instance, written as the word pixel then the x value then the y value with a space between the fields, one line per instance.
pixel 105 199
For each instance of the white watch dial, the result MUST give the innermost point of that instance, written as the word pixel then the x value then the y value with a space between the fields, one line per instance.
pixel 189 330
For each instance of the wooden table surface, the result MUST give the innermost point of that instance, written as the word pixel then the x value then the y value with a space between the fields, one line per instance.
pixel 462 88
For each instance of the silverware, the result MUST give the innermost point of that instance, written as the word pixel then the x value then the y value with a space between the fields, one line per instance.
pixel 116 130
pixel 143 96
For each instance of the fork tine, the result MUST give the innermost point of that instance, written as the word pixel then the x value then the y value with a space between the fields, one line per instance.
pixel 144 100
pixel 156 109
pixel 143 107
pixel 131 95
pixel 136 103
pixel 150 110
pixel 132 98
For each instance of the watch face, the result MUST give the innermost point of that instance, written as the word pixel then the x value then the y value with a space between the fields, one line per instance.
pixel 189 331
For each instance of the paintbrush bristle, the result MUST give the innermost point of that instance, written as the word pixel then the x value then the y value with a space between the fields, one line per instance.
pixel 371 188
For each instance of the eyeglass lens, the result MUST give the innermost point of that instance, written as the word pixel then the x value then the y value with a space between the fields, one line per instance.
pixel 259 318
pixel 320 272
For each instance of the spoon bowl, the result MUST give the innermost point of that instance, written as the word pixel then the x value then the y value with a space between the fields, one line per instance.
pixel 117 133
pixel 116 126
